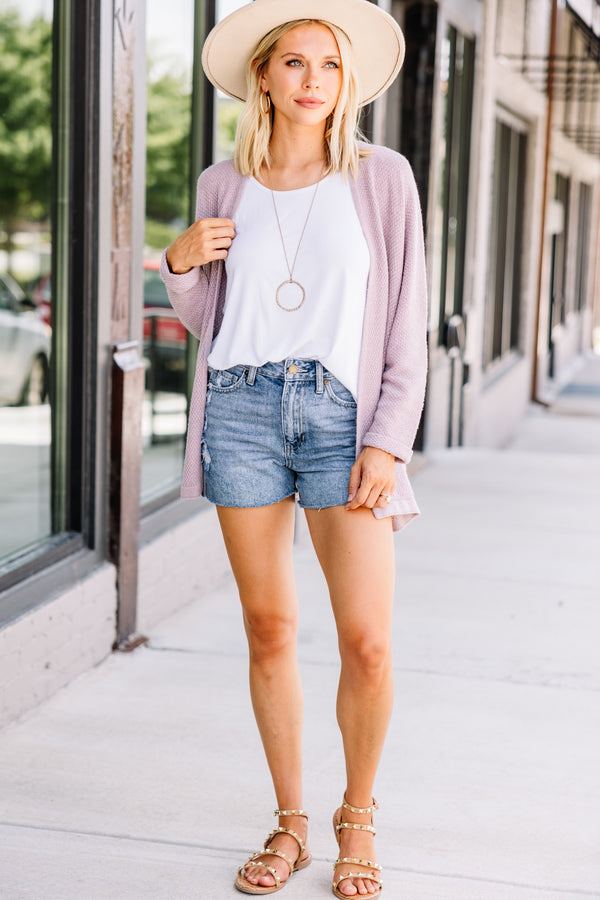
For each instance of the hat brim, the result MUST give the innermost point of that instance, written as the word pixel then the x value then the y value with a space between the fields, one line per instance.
pixel 376 38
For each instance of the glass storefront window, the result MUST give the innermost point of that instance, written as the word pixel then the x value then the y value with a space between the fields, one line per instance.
pixel 25 280
pixel 503 306
pixel 167 351
pixel 228 109
pixel 457 61
pixel 170 34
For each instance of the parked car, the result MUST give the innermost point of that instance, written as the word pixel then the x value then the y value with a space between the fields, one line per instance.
pixel 25 342
pixel 165 338
pixel 42 296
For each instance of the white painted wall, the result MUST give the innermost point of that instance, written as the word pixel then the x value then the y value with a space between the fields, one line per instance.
pixel 495 399
pixel 49 646
pixel 179 567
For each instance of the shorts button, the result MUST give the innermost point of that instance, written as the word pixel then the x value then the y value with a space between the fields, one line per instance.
pixel 292 369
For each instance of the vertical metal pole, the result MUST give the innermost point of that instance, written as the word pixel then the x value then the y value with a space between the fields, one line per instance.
pixel 128 368
pixel 550 95
pixel 125 463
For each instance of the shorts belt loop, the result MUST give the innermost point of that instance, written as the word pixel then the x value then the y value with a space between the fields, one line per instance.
pixel 319 371
pixel 251 375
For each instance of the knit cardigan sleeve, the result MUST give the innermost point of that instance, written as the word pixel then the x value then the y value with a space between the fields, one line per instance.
pixel 398 412
pixel 188 293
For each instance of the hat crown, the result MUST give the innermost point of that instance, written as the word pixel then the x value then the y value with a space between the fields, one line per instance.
pixel 376 38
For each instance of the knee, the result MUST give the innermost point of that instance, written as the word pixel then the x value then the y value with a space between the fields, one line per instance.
pixel 270 635
pixel 366 654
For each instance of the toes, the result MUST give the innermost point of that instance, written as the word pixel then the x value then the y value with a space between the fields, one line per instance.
pixel 257 875
pixel 249 875
pixel 350 888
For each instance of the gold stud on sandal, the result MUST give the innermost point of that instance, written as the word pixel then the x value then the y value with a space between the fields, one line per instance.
pixel 373 868
pixel 259 859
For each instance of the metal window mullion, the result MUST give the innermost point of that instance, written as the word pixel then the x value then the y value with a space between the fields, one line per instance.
pixel 566 199
pixel 201 142
pixel 503 162
pixel 511 232
pixel 515 322
pixel 454 176
pixel 60 265
pixel 488 353
pixel 463 176
pixel 202 129
pixel 451 37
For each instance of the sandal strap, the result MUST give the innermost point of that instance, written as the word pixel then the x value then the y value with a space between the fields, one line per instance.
pixel 286 859
pixel 253 860
pixel 372 878
pixel 358 810
pixel 358 862
pixel 356 827
pixel 291 812
pixel 282 830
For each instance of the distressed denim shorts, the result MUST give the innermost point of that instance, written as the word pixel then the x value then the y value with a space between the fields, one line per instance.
pixel 273 431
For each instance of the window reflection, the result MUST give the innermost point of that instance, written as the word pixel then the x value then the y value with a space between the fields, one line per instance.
pixel 25 283
pixel 450 217
pixel 228 110
pixel 170 30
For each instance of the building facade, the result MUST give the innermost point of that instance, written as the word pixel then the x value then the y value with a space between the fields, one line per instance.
pixel 107 122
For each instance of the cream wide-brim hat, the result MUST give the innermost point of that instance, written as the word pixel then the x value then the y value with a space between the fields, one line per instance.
pixel 376 38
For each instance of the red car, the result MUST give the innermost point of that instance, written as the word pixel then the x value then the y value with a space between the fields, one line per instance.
pixel 165 338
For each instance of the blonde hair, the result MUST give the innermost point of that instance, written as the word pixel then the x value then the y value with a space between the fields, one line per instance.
pixel 341 128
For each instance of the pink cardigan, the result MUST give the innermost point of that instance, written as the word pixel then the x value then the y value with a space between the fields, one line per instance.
pixel 393 360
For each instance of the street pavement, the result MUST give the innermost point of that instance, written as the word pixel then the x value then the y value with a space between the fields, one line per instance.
pixel 144 779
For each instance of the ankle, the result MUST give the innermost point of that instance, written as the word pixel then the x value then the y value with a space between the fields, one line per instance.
pixel 294 820
pixel 289 812
pixel 365 808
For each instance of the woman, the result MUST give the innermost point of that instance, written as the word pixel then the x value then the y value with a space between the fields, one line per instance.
pixel 304 280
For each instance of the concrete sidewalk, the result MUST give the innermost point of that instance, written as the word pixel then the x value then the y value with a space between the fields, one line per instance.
pixel 144 779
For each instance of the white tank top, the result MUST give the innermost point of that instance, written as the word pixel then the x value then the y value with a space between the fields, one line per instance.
pixel 332 266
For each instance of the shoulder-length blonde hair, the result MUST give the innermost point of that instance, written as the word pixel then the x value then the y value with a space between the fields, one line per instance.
pixel 341 129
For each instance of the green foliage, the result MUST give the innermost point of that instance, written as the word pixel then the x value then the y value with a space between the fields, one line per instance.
pixel 167 148
pixel 158 235
pixel 25 119
pixel 227 116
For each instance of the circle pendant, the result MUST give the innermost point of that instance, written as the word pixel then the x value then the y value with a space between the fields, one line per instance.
pixel 288 293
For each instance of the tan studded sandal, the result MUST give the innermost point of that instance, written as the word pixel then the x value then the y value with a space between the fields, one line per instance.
pixel 373 868
pixel 302 860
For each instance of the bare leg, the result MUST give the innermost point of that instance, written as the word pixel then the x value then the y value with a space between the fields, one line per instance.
pixel 259 544
pixel 356 553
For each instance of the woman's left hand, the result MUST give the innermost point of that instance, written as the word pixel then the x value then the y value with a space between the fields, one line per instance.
pixel 372 479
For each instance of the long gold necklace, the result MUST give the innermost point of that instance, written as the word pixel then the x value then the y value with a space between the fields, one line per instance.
pixel 290 287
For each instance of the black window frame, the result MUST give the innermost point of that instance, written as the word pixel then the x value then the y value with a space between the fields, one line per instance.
pixel 503 326
pixel 75 166
pixel 582 262
pixel 455 178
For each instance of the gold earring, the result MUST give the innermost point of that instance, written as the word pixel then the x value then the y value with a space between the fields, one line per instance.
pixel 268 96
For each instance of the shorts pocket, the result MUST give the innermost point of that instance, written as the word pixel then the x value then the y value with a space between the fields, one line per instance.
pixel 225 381
pixel 338 393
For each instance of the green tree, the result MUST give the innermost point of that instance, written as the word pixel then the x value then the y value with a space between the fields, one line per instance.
pixel 25 121
pixel 167 147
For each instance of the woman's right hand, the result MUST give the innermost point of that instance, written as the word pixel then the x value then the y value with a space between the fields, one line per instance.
pixel 203 242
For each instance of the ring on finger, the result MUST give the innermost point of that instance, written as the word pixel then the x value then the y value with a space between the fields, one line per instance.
pixel 386 497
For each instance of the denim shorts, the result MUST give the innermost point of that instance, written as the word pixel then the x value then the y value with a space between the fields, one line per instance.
pixel 276 430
